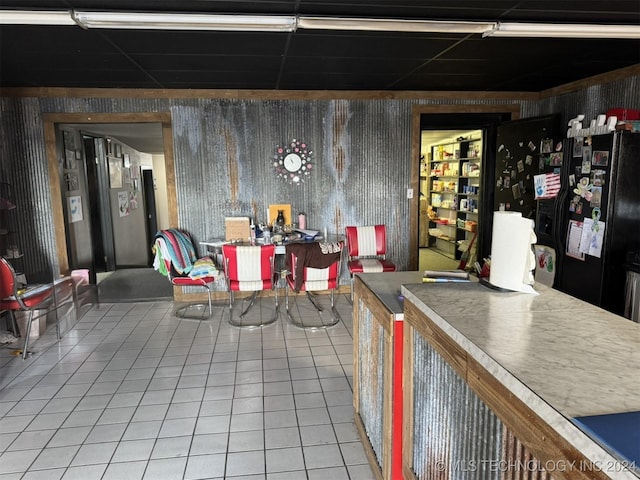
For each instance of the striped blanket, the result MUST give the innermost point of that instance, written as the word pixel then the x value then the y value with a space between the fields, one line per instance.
pixel 174 248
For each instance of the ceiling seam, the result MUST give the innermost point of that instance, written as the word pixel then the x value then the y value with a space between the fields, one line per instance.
pixel 285 53
pixel 435 57
pixel 126 55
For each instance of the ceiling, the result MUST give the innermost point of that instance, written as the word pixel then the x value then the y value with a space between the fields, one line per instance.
pixel 143 137
pixel 69 56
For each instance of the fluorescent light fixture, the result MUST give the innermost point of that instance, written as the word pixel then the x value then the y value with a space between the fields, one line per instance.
pixel 393 25
pixel 289 23
pixel 185 21
pixel 35 17
pixel 564 30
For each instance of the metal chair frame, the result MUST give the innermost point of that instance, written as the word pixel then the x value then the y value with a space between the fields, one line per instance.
pixel 35 297
pixel 230 277
pixel 335 315
pixel 178 280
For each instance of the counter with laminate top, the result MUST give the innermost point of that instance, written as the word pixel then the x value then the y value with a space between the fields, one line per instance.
pixel 538 362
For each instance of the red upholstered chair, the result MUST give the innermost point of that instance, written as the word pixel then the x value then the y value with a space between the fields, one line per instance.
pixel 302 276
pixel 367 250
pixel 249 268
pixel 15 297
pixel 175 257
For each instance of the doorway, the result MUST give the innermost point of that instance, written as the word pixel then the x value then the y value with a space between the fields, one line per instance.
pixel 462 118
pixel 90 122
pixel 150 207
pixel 451 162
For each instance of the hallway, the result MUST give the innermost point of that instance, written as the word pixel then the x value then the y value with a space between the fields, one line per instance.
pixel 132 392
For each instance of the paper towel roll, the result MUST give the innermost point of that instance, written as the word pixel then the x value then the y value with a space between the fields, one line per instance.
pixel 512 257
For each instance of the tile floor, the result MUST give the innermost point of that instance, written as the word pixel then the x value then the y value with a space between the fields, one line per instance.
pixel 132 392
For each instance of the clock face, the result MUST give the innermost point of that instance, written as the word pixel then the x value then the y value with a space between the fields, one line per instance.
pixel 292 162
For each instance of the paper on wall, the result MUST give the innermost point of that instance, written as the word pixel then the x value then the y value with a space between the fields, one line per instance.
pixel 545 265
pixel 592 237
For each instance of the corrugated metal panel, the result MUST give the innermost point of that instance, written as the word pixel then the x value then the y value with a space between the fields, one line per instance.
pixel 371 378
pixel 223 156
pixel 25 166
pixel 591 101
pixel 455 435
pixel 518 463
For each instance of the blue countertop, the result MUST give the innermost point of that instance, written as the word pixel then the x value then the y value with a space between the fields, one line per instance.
pixel 618 432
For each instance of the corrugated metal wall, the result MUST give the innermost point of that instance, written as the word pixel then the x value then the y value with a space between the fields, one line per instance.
pixel 24 165
pixel 223 158
pixel 590 101
pixel 371 379
pixel 455 435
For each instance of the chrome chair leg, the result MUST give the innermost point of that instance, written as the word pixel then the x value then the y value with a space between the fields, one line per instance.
pixel 183 312
pixel 335 316
pixel 311 298
pixel 252 301
pixel 25 352
pixel 351 289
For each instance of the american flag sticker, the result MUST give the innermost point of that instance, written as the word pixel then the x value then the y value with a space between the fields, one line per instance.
pixel 546 185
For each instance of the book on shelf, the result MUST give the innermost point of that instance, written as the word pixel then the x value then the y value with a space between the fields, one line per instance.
pixel 443 276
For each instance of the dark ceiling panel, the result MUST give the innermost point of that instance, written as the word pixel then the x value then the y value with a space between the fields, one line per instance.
pixel 369 44
pixel 317 59
pixel 211 43
pixel 584 11
pixel 250 64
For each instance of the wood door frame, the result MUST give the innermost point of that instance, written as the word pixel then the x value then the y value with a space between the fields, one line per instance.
pixel 414 204
pixel 51 119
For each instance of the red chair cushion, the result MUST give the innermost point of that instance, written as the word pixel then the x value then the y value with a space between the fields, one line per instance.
pixel 32 298
pixel 370 266
pixel 185 281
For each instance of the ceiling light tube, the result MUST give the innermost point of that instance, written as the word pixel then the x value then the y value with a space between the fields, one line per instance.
pixel 185 21
pixel 564 30
pixel 35 17
pixel 393 25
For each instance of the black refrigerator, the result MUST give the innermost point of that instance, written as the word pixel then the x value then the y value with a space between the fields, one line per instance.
pixel 592 232
pixel 523 151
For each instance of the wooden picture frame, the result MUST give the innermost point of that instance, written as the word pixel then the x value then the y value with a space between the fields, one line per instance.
pixel 273 213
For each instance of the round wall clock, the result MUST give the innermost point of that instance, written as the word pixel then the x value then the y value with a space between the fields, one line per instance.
pixel 292 162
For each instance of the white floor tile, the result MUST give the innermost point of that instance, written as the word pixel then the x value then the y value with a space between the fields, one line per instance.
pixel 133 393
pixel 321 456
pixel 246 441
pixel 171 447
pixel 54 457
pixel 245 463
pixel 165 469
pixel 205 466
pixel 209 443
pixel 335 473
pixel 125 471
pixel 133 450
pixel 17 462
pixel 85 472
pixel 318 435
pixel 50 474
pixel 69 436
pixel 284 460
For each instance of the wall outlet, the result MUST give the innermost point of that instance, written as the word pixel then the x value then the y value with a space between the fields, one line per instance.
pixel 409 192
